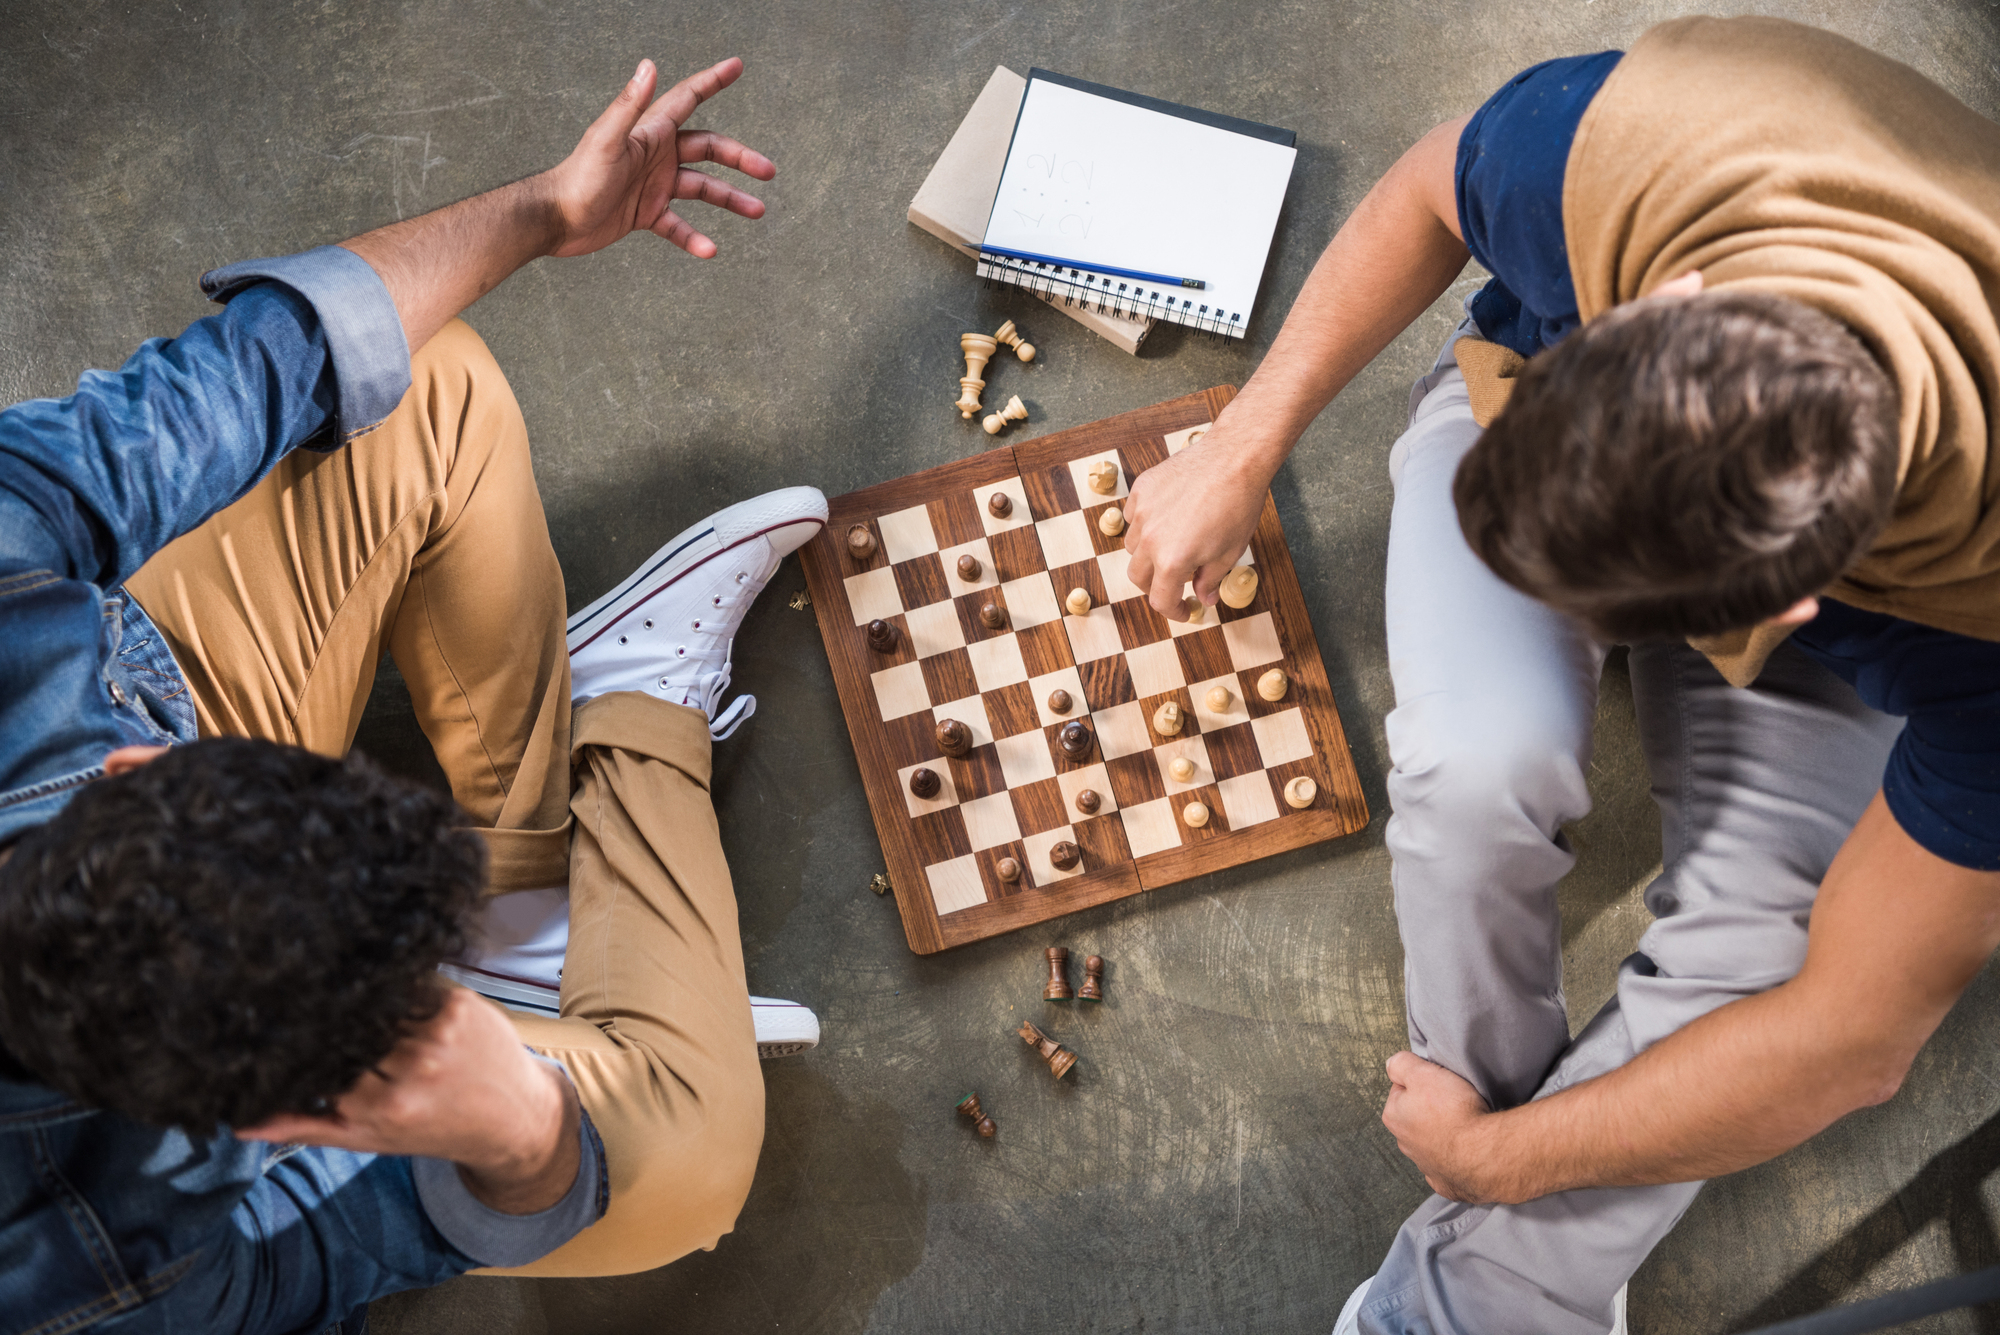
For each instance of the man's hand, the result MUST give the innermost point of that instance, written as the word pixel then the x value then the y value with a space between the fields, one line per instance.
pixel 1434 1117
pixel 1206 506
pixel 461 1087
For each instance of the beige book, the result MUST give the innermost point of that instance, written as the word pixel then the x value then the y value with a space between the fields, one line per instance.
pixel 955 199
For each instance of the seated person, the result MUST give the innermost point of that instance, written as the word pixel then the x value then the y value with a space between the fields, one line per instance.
pixel 214 932
pixel 1780 490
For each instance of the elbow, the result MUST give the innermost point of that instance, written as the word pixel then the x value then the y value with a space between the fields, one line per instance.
pixel 1874 1078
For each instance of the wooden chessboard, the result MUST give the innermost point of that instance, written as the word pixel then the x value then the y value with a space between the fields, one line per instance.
pixel 1013 794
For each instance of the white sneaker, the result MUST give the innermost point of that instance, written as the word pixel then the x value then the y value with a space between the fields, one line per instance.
pixel 668 628
pixel 1350 1315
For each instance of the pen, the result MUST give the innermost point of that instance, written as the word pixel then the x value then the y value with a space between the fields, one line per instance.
pixel 1167 279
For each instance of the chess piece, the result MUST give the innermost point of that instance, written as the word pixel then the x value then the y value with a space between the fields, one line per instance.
pixel 881 637
pixel 1059 701
pixel 1058 988
pixel 1015 411
pixel 1219 699
pixel 860 542
pixel 1059 1058
pixel 1000 505
pixel 1103 477
pixel 1239 586
pixel 1182 769
pixel 1093 980
pixel 969 1105
pixel 1075 739
pixel 968 567
pixel 1167 719
pixel 1007 870
pixel 953 738
pixel 1197 610
pixel 1273 684
pixel 978 350
pixel 1078 602
pixel 879 883
pixel 992 616
pixel 1112 522
pixel 924 783
pixel 1088 801
pixel 1065 855
pixel 1195 814
pixel 1011 336
pixel 1300 792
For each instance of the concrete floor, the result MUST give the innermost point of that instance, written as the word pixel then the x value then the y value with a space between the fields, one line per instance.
pixel 1217 1163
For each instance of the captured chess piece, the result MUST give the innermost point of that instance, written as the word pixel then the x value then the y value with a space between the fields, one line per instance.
pixel 969 1106
pixel 1182 769
pixel 1059 701
pixel 1078 602
pixel 992 616
pixel 860 542
pixel 1065 856
pixel 1219 699
pixel 1075 739
pixel 968 567
pixel 924 783
pixel 1093 980
pixel 1195 814
pixel 1058 988
pixel 978 350
pixel 1088 801
pixel 1167 719
pixel 1103 477
pixel 1015 411
pixel 1300 792
pixel 1008 870
pixel 1011 336
pixel 1059 1058
pixel 881 636
pixel 1000 505
pixel 1273 684
pixel 954 738
pixel 1112 522
pixel 1239 586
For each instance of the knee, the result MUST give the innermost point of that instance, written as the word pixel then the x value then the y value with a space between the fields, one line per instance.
pixel 1477 770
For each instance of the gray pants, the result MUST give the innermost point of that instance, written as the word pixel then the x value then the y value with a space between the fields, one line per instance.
pixel 1489 742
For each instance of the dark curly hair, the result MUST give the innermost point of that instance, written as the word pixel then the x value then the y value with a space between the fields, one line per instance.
pixel 234 930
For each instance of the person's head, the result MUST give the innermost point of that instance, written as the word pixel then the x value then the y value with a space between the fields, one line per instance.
pixel 234 930
pixel 1684 466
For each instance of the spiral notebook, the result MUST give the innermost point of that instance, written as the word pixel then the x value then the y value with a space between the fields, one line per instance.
pixel 1134 205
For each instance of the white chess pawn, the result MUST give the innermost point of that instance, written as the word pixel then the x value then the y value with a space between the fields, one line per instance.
pixel 1112 522
pixel 1015 411
pixel 1011 336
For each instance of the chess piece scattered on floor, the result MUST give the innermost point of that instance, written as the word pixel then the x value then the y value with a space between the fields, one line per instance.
pixel 968 567
pixel 881 636
pixel 1059 701
pixel 978 350
pixel 954 738
pixel 1075 739
pixel 1196 609
pixel 1015 411
pixel 924 783
pixel 879 883
pixel 1093 980
pixel 1182 769
pixel 1219 699
pixel 992 616
pixel 1112 522
pixel 860 542
pixel 1011 336
pixel 1008 870
pixel 1195 814
pixel 1065 855
pixel 1000 505
pixel 1239 586
pixel 1059 1058
pixel 1167 719
pixel 1058 988
pixel 969 1105
pixel 1103 477
pixel 1300 792
pixel 1078 602
pixel 1088 801
pixel 1273 684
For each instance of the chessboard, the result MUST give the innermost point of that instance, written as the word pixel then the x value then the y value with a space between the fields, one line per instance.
pixel 1010 802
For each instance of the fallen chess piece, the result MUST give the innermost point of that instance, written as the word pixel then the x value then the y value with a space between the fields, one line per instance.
pixel 1093 980
pixel 992 616
pixel 1103 477
pixel 1167 719
pixel 1011 336
pixel 924 783
pixel 969 1105
pixel 1300 792
pixel 1058 988
pixel 968 567
pixel 879 883
pixel 1075 739
pixel 1059 701
pixel 1239 586
pixel 1182 769
pixel 1059 1058
pixel 1112 522
pixel 1219 699
pixel 1000 505
pixel 1015 411
pixel 1273 684
pixel 881 636
pixel 1088 801
pixel 860 542
pixel 978 350
pixel 953 738
pixel 1065 856
pixel 1195 814
pixel 1078 602
pixel 1007 870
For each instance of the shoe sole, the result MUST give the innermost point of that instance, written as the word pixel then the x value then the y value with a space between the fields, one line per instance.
pixel 682 556
pixel 791 1028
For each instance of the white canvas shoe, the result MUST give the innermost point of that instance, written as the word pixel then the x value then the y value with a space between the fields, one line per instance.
pixel 669 627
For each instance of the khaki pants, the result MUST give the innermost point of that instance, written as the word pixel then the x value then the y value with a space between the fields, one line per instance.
pixel 425 538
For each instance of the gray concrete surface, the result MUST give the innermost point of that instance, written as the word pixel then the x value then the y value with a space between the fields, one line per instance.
pixel 1216 1161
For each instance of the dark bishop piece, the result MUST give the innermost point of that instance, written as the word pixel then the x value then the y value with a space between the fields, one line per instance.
pixel 1058 988
pixel 1075 739
pixel 954 738
pixel 1093 980
pixel 1059 1058
pixel 881 637
pixel 969 1106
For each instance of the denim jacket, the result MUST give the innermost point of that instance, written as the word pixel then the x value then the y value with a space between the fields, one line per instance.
pixel 106 1224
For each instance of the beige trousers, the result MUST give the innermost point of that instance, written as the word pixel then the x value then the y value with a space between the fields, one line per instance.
pixel 425 539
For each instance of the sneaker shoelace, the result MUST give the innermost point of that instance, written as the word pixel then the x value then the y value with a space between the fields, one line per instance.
pixel 708 693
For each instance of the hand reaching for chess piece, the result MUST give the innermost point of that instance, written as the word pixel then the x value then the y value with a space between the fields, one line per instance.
pixel 1189 519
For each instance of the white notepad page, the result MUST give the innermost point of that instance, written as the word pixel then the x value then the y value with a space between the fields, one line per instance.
pixel 1097 181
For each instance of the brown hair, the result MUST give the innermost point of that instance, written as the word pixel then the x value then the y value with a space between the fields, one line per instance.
pixel 1685 466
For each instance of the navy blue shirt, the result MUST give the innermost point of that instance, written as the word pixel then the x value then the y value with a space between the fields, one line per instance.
pixel 1943 778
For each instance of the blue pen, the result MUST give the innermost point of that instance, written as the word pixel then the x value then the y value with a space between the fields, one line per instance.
pixel 1166 279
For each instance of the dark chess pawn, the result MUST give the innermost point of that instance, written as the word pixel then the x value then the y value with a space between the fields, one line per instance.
pixel 860 542
pixel 1007 870
pixel 968 567
pixel 1065 856
pixel 1075 739
pixel 1093 980
pixel 954 738
pixel 924 783
pixel 1088 801
pixel 969 1106
pixel 1000 505
pixel 881 637
pixel 1058 988
pixel 992 616
pixel 1059 1058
